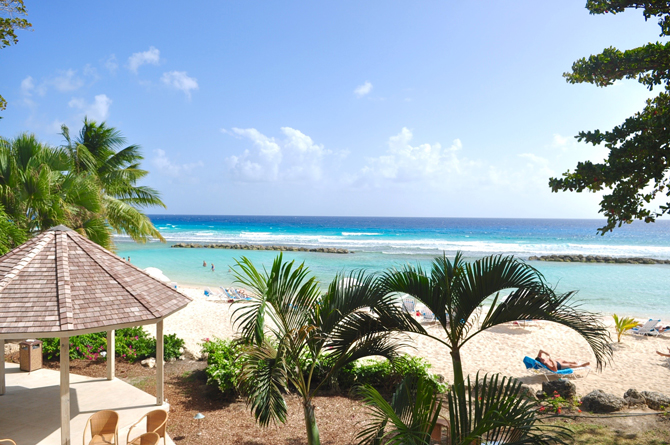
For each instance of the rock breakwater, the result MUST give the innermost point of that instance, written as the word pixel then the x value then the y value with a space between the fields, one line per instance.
pixel 260 247
pixel 597 259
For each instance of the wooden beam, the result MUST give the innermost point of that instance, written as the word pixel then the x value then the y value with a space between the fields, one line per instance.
pixel 111 356
pixel 160 375
pixel 2 367
pixel 65 390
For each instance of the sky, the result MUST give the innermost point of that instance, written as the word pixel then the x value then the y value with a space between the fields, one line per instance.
pixel 347 108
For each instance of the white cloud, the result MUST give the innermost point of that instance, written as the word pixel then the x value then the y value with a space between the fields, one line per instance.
pixel 406 163
pixel 27 86
pixel 111 64
pixel 364 89
pixel 168 167
pixel 295 158
pixel 66 81
pixel 151 57
pixel 181 81
pixel 96 111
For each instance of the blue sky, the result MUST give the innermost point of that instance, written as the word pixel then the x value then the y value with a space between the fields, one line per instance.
pixel 376 108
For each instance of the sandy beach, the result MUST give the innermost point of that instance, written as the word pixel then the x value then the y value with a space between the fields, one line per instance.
pixel 498 350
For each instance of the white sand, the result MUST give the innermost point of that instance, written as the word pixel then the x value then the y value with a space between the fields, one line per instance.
pixel 500 349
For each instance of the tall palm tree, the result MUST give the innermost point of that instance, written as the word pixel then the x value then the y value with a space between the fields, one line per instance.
pixel 290 327
pixel 454 291
pixel 99 150
pixel 38 190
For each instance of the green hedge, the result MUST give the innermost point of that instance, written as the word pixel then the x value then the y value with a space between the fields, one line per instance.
pixel 130 343
pixel 224 364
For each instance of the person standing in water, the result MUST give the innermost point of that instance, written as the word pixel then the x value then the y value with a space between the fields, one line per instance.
pixel 204 264
pixel 212 267
pixel 129 259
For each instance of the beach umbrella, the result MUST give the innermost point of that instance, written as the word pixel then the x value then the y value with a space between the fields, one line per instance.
pixel 157 274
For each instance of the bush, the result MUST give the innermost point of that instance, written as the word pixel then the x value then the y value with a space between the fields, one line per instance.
pixel 223 364
pixel 130 343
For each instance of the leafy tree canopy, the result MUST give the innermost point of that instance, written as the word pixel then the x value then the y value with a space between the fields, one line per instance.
pixel 636 170
pixel 11 20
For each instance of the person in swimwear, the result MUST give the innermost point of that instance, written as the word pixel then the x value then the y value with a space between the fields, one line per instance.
pixel 557 365
pixel 663 354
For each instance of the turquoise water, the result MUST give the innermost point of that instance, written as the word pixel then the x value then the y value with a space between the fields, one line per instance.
pixel 380 243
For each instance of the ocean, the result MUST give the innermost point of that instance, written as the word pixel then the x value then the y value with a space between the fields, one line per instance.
pixel 381 243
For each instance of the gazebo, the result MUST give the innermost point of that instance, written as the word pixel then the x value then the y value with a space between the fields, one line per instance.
pixel 60 284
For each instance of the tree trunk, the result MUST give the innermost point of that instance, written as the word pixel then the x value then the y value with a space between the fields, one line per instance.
pixel 310 423
pixel 459 389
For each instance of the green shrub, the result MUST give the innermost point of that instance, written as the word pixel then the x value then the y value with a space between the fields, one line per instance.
pixel 223 364
pixel 130 343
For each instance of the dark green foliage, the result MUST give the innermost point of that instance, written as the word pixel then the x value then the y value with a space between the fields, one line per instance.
pixel 496 412
pixel 636 170
pixel 225 362
pixel 408 420
pixel 130 343
pixel 11 235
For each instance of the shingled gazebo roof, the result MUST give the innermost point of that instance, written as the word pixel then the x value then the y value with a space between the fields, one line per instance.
pixel 60 281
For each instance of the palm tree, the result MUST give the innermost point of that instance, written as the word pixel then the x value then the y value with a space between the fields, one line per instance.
pixel 408 420
pixel 496 413
pixel 454 292
pixel 38 191
pixel 290 328
pixel 98 150
pixel 11 235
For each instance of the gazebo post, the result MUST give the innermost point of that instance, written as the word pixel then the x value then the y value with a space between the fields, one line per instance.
pixel 65 390
pixel 111 355
pixel 2 366
pixel 160 358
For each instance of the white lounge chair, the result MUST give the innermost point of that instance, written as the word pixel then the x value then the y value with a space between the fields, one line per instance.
pixel 649 328
pixel 408 305
pixel 428 315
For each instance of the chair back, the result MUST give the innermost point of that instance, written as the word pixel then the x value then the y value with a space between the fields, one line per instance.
pixel 9 441
pixel 146 439
pixel 650 325
pixel 104 422
pixel 408 305
pixel 157 421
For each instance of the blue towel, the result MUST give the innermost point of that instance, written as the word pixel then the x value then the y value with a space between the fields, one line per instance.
pixel 531 363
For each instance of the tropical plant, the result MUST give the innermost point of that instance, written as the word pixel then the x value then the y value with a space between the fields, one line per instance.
pixel 622 325
pixel 495 413
pixel 408 419
pixel 456 291
pixel 287 319
pixel 11 235
pixel 38 190
pixel 98 151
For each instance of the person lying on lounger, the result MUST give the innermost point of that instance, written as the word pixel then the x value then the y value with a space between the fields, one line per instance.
pixel 557 364
pixel 663 354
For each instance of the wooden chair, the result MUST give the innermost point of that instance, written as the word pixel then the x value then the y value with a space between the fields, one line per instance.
pixel 9 441
pixel 104 428
pixel 156 423
pixel 149 438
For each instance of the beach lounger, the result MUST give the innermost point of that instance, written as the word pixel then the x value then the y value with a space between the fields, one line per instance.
pixel 408 305
pixel 428 315
pixel 173 284
pixel 212 295
pixel 649 328
pixel 536 368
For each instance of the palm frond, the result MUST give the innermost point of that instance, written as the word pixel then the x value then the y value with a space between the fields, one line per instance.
pixel 409 419
pixel 263 377
pixel 495 412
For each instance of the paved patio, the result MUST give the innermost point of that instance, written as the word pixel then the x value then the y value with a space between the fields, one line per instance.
pixel 30 409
